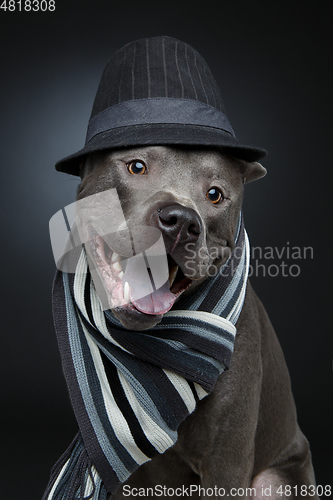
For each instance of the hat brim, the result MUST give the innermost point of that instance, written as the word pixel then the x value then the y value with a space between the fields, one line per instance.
pixel 160 134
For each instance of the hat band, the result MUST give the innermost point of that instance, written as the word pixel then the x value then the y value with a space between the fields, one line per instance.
pixel 162 110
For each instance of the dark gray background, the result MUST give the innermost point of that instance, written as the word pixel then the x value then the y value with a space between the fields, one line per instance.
pixel 272 61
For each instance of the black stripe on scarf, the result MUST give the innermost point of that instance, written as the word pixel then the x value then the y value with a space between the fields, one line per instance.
pixel 118 393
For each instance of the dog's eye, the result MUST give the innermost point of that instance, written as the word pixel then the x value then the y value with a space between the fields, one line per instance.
pixel 214 195
pixel 136 167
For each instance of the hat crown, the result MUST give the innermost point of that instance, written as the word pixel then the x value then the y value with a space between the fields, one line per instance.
pixel 156 67
pixel 158 91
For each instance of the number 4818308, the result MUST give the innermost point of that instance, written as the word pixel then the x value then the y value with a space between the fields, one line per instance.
pixel 28 5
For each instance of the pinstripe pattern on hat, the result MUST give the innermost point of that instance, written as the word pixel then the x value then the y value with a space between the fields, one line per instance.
pixel 158 68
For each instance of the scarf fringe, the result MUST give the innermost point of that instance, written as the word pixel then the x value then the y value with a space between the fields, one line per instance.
pixel 74 477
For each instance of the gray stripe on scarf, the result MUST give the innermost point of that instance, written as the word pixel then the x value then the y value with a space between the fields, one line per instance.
pixel 198 330
pixel 75 345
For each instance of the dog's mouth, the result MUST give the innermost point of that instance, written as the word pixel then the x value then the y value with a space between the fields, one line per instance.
pixel 124 285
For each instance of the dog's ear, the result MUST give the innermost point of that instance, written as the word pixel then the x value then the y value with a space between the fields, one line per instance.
pixel 252 171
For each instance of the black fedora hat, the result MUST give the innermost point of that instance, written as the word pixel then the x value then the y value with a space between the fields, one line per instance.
pixel 158 91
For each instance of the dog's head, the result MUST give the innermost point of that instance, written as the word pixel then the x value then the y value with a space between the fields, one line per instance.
pixel 190 196
pixel 170 220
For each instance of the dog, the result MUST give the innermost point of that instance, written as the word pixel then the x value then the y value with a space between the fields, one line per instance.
pixel 160 139
pixel 243 437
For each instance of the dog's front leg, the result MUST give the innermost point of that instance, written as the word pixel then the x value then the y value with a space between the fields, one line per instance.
pixel 272 485
pixel 291 476
pixel 231 482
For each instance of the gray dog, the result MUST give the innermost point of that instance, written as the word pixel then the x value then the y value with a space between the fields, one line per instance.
pixel 245 432
pixel 182 174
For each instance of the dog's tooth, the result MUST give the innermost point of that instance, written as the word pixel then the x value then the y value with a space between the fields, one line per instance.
pixel 117 266
pixel 115 257
pixel 121 274
pixel 172 274
pixel 126 292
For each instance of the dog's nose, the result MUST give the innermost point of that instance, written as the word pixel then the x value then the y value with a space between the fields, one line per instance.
pixel 180 223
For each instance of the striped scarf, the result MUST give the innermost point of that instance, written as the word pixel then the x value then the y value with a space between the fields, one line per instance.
pixel 131 390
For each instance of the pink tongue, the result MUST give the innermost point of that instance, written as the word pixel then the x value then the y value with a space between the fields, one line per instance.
pixel 158 302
